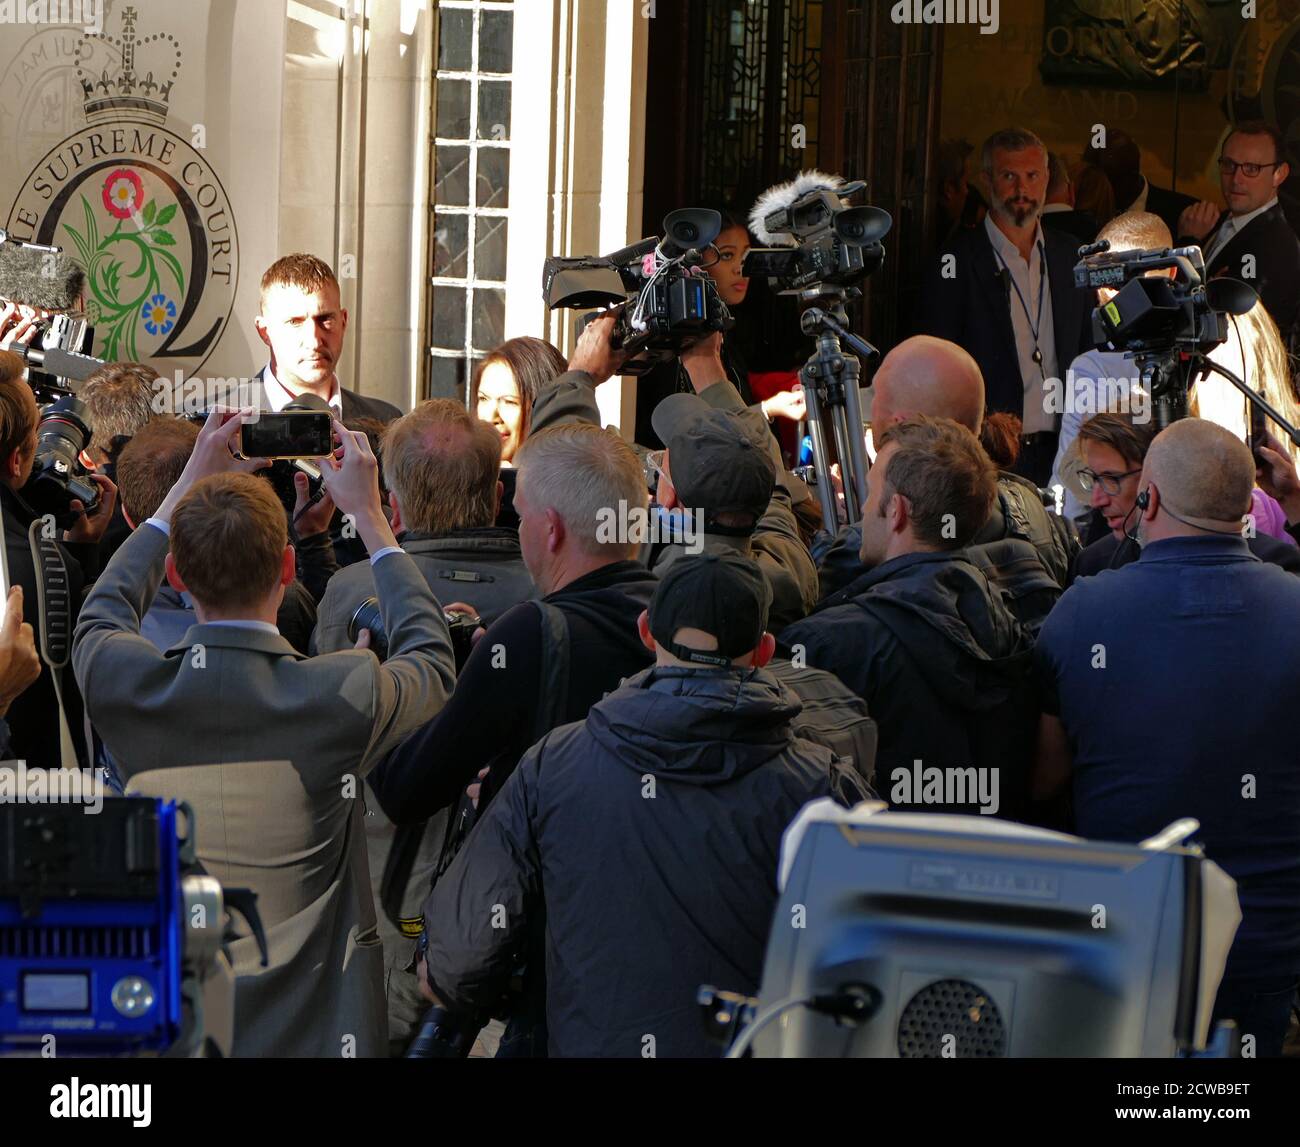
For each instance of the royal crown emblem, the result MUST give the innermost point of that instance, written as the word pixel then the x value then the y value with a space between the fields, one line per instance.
pixel 128 76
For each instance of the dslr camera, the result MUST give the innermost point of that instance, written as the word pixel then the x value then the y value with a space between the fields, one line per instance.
pixel 461 626
pixel 832 245
pixel 667 300
pixel 58 477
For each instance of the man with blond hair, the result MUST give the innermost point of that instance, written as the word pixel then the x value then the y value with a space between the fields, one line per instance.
pixel 1170 689
pixel 234 713
pixel 442 468
pixel 302 320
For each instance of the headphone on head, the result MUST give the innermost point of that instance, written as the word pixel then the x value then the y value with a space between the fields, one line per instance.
pixel 1209 524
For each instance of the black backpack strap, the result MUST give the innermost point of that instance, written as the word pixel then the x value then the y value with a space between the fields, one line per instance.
pixel 397 874
pixel 54 622
pixel 553 680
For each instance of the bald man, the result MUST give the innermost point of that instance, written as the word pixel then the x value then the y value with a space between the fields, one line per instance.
pixel 1170 689
pixel 935 377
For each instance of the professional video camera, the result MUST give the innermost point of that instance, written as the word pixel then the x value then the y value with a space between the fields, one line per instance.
pixel 58 477
pixel 668 301
pixel 835 245
pixel 818 247
pixel 1166 325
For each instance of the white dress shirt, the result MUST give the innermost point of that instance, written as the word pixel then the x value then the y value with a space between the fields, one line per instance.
pixel 1031 279
pixel 279 396
pixel 1233 225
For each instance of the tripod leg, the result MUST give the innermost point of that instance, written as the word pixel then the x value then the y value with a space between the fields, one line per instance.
pixel 825 488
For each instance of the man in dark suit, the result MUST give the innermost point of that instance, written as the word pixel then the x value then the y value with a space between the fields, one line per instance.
pixel 1005 292
pixel 1251 240
pixel 1059 211
pixel 1120 158
pixel 303 322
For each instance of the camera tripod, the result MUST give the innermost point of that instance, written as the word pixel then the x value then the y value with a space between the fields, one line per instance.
pixel 1169 376
pixel 830 384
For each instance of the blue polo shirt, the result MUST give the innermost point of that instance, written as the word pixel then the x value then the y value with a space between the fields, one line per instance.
pixel 1177 679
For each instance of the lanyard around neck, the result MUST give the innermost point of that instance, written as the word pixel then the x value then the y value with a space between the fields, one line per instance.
pixel 1035 323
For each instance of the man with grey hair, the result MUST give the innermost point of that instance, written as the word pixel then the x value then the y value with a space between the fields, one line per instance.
pixel 1005 291
pixel 1170 689
pixel 546 662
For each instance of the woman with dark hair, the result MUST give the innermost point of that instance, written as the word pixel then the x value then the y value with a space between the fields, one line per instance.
pixel 507 383
pixel 738 345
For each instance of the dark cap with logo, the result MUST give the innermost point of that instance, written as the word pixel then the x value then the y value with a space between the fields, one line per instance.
pixel 722 594
pixel 718 463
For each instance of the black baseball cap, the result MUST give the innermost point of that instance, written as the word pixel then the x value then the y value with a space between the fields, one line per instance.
pixel 718 463
pixel 722 594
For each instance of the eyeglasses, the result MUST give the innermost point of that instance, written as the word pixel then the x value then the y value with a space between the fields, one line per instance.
pixel 1249 170
pixel 654 468
pixel 1109 482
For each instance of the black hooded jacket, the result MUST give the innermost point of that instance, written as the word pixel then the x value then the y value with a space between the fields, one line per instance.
pixel 492 715
pixel 648 837
pixel 944 668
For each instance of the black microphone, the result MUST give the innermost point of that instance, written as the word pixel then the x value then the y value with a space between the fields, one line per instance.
pixel 634 253
pixel 1004 277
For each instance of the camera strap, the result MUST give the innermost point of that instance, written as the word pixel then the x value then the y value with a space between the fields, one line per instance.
pixel 54 611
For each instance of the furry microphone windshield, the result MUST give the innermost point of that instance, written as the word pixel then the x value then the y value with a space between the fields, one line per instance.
pixel 783 195
pixel 41 278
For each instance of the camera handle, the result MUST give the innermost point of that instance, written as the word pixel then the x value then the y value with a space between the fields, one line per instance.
pixel 1261 404
pixel 830 382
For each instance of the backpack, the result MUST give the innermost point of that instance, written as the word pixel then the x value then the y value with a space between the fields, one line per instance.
pixel 1020 513
pixel 1015 568
pixel 836 718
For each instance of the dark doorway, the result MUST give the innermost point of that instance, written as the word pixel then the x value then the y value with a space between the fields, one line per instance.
pixel 743 94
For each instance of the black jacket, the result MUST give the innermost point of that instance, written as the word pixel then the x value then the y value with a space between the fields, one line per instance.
pixel 973 309
pixel 1018 513
pixel 1273 243
pixel 650 836
pixel 942 664
pixel 1169 205
pixel 1079 226
pixel 491 717
pixel 34 715
pixel 354 405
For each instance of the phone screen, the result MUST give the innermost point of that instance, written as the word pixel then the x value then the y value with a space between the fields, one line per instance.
pixel 289 434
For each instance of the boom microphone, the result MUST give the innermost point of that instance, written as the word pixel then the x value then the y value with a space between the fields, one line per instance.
pixel 41 277
pixel 779 199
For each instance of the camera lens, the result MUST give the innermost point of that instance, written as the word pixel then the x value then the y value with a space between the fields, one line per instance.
pixel 64 429
pixel 367 616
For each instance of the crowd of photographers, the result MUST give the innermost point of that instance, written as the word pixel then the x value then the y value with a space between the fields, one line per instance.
pixel 503 717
